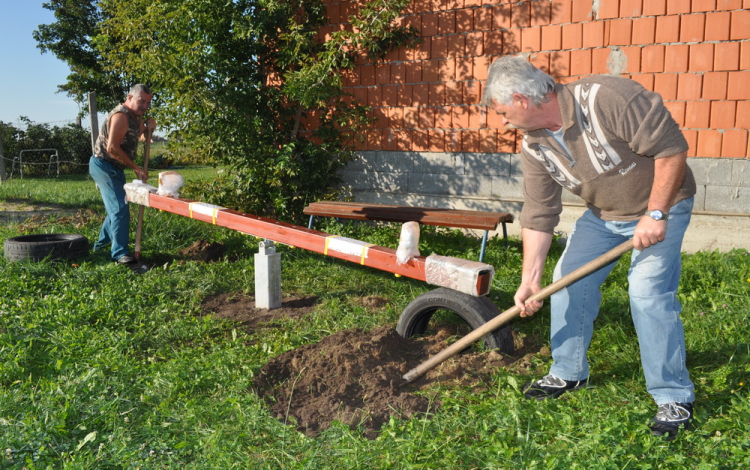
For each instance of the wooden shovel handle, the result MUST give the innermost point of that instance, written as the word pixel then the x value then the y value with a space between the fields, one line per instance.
pixel 139 226
pixel 499 320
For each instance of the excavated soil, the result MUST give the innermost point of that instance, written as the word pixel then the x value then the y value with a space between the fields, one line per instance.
pixel 355 376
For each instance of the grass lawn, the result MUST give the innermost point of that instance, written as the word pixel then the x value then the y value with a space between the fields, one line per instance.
pixel 102 368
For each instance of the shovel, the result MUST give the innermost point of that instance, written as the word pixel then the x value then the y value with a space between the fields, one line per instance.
pixel 139 227
pixel 499 320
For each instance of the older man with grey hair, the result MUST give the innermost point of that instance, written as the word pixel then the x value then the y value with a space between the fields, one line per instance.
pixel 115 151
pixel 614 144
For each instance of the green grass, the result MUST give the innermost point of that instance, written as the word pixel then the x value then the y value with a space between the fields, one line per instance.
pixel 101 368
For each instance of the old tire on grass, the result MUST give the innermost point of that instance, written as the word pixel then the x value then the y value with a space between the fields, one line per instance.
pixel 46 246
pixel 476 311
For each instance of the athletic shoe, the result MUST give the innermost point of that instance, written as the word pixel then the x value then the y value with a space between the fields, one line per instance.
pixel 127 259
pixel 670 418
pixel 551 387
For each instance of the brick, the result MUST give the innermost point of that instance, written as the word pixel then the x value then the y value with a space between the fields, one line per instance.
pixel 551 37
pixel 439 49
pixel 633 54
pixel 580 62
pixel 452 141
pixel 477 117
pixel 405 95
pixel 692 139
pixel 382 73
pixel 367 75
pixel 506 140
pixel 470 141
pixel 593 34
pixel 630 8
pixel 436 140
pixel 431 71
pixel 701 58
pixel 426 118
pixel 411 117
pixel 493 42
pixel 420 140
pixel 520 16
pixel 482 19
pixel 717 26
pixel 471 92
pixel 582 11
pixel 395 118
pixel 727 56
pixel 447 70
pixel 709 143
pixel 745 55
pixel 389 95
pixel 374 96
pixel 453 94
pixel 488 140
pixel 740 25
pixel 456 45
pixel 541 14
pixel 374 140
pixel 692 28
pixel 421 94
pixel 689 86
pixel 540 61
pixel 738 88
pixel 501 17
pixel 666 85
pixel 645 79
pixel 702 5
pixel 429 24
pixel 619 33
pixel 714 86
pixel 460 117
pixel 743 115
pixel 667 29
pixel 559 63
pixel 722 114
pixel 734 143
pixel 480 67
pixel 464 21
pixel 608 9
pixel 677 110
pixel 728 5
pixel 474 44
pixel 572 36
pixel 403 139
pixel 398 73
pixel 447 22
pixel 644 30
pixel 494 120
pixel 436 94
pixel 381 118
pixel 599 58
pixel 414 72
pixel 654 7
pixel 676 58
pixel 675 7
pixel 698 114
pixel 531 39
pixel 652 59
pixel 511 41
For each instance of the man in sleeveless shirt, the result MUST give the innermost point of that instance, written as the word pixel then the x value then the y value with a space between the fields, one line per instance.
pixel 614 144
pixel 114 152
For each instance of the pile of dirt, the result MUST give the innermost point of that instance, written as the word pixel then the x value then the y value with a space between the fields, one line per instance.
pixel 355 376
pixel 201 250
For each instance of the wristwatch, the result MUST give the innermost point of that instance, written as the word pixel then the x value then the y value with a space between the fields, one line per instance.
pixel 656 214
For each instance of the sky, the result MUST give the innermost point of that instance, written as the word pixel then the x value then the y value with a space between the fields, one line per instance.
pixel 28 78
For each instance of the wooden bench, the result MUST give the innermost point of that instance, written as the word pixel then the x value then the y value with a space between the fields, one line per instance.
pixel 469 219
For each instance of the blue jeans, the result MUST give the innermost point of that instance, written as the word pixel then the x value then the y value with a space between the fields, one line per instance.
pixel 116 227
pixel 653 279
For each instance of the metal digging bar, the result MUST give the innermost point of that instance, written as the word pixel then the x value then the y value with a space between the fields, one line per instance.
pixel 499 320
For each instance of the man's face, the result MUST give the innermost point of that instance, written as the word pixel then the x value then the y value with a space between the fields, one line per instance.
pixel 139 103
pixel 521 114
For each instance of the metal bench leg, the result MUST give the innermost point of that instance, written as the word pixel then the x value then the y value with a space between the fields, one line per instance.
pixel 505 235
pixel 310 223
pixel 484 246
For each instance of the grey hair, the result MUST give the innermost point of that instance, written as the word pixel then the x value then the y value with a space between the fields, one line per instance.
pixel 509 75
pixel 139 88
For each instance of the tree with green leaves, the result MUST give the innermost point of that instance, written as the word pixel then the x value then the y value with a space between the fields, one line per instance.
pixel 240 80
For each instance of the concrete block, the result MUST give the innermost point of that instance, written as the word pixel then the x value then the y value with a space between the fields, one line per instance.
pixel 450 184
pixel 435 163
pixel 399 162
pixel 741 173
pixel 363 161
pixel 505 187
pixel 711 171
pixel 514 162
pixel 267 276
pixel 730 199
pixel 390 182
pixel 700 199
pixel 488 164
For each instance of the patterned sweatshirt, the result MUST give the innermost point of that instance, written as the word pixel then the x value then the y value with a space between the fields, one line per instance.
pixel 613 129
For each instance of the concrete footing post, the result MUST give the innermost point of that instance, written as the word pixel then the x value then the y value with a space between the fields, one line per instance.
pixel 267 276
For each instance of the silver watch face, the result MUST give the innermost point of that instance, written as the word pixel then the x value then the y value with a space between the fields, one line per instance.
pixel 656 214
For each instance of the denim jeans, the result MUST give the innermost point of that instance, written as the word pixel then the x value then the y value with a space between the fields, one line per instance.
pixel 653 279
pixel 116 227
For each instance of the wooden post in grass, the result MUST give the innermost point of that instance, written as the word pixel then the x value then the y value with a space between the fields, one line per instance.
pixel 94 116
pixel 2 156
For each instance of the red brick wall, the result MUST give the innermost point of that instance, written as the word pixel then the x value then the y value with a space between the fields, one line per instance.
pixel 695 53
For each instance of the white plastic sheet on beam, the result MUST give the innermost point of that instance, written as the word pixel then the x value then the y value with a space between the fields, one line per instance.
pixel 455 273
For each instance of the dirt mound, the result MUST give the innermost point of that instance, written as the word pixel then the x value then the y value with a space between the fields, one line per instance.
pixel 202 250
pixel 355 376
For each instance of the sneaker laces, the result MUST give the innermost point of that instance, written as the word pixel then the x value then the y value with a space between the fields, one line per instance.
pixel 671 412
pixel 550 380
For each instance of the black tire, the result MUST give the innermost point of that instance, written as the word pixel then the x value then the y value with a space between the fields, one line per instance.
pixel 46 246
pixel 476 311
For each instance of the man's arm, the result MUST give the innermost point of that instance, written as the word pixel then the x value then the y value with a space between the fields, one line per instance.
pixel 669 174
pixel 118 127
pixel 535 248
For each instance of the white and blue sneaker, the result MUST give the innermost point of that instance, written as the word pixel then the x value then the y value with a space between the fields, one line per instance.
pixel 670 418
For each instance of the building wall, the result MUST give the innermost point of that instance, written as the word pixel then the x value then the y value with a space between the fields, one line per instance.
pixel 433 139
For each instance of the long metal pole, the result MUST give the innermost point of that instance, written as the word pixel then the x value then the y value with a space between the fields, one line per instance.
pixel 139 226
pixel 499 320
